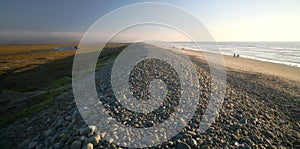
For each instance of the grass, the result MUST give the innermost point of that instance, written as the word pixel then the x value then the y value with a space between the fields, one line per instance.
pixel 60 82
pixel 36 74
pixel 39 72
pixel 20 63
pixel 110 53
pixel 19 73
pixel 47 100
pixel 21 48
pixel 108 58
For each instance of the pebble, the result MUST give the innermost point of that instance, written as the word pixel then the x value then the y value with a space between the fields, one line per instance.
pixel 93 139
pixel 255 138
pixel 48 132
pixel 191 133
pixel 88 146
pixel 58 145
pixel 243 121
pixel 85 131
pixel 182 145
pixel 103 135
pixel 32 145
pixel 76 145
pixel 194 142
pixel 39 146
pixel 59 123
pixel 93 128
pixel 24 143
pixel 235 127
pixel 68 118
pixel 268 134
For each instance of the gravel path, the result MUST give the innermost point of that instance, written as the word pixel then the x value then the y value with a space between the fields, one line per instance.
pixel 259 111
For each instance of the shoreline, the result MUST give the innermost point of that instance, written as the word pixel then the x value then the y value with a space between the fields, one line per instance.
pixel 252 65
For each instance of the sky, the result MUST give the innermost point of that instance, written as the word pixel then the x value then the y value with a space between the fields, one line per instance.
pixel 56 21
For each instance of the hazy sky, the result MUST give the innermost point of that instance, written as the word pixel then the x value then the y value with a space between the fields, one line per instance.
pixel 50 21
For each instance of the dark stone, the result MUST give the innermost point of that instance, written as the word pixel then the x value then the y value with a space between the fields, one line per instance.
pixel 58 145
pixel 182 145
pixel 268 134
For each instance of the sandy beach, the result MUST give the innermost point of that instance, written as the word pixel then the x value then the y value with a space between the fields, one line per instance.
pixel 251 65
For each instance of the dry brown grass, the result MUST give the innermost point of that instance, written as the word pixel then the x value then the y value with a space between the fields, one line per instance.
pixel 20 63
pixel 14 49
pixel 28 72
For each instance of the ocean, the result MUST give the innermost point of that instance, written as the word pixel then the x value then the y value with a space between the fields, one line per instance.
pixel 287 53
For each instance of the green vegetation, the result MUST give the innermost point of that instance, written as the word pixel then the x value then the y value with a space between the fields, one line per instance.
pixel 37 76
pixel 49 71
pixel 106 59
pixel 47 100
pixel 60 82
pixel 107 55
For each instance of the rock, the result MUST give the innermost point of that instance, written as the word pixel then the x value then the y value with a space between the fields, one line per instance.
pixel 249 142
pixel 46 142
pixel 32 145
pixel 171 143
pixel 255 138
pixel 85 131
pixel 235 127
pixel 193 142
pixel 39 146
pixel 246 146
pixel 205 146
pixel 29 129
pixel 88 146
pixel 245 133
pixel 182 145
pixel 268 116
pixel 150 124
pixel 93 128
pixel 36 138
pixel 254 121
pixel 64 137
pixel 243 121
pixel 95 140
pixel 58 145
pixel 68 118
pixel 48 132
pixel 191 133
pixel 286 143
pixel 76 145
pixel 24 143
pixel 235 137
pixel 54 138
pixel 272 147
pixel 59 123
pixel 268 134
pixel 297 142
pixel 103 135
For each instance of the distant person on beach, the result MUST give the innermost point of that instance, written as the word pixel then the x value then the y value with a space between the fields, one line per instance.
pixel 236 55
